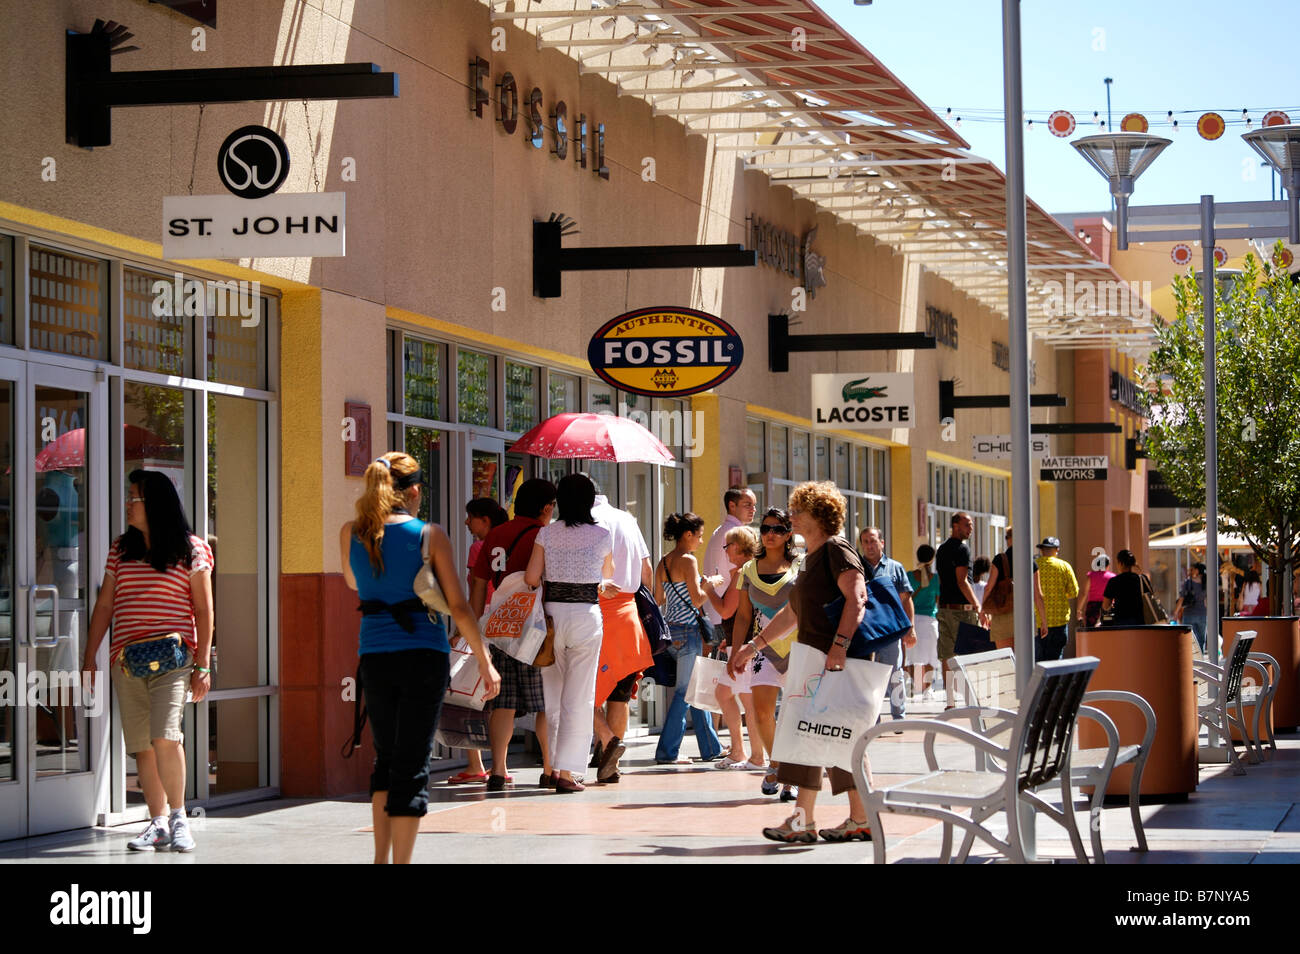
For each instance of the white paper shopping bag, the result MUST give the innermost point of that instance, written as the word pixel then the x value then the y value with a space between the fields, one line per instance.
pixel 824 713
pixel 702 690
pixel 466 687
pixel 515 622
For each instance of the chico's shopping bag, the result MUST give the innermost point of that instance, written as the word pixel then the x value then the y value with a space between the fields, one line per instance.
pixel 702 691
pixel 515 622
pixel 824 713
pixel 462 728
pixel 466 687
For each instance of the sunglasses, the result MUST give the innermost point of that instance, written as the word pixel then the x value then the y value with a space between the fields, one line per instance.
pixel 774 528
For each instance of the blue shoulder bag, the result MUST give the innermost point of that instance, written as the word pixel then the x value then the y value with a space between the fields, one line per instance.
pixel 883 619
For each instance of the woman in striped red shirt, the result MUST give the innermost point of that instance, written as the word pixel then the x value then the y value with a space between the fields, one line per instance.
pixel 158 581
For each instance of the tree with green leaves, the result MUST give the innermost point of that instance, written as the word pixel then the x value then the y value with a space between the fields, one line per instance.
pixel 1257 369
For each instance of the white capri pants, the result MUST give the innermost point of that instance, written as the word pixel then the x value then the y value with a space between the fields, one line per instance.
pixel 569 685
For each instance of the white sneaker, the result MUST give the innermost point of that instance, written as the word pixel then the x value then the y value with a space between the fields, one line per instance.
pixel 155 836
pixel 181 838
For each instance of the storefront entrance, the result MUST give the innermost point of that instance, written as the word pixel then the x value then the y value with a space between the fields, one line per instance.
pixel 53 535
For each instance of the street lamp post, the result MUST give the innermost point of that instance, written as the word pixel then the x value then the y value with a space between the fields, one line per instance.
pixel 1120 158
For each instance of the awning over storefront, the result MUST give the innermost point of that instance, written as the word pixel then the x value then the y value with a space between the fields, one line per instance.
pixel 782 86
pixel 1227 541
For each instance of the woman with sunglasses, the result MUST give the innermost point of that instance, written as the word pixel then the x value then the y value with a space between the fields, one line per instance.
pixel 764 586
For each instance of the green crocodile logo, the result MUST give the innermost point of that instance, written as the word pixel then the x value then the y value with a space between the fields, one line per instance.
pixel 856 391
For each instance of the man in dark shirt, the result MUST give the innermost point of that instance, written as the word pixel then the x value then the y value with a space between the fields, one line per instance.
pixel 957 602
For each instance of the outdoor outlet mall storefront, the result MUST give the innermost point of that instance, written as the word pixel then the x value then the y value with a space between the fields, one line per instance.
pixel 425 336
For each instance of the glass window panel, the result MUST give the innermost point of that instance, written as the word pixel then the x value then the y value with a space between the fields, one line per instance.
pixel 236 732
pixel 778 439
pixel 840 464
pixel 673 481
pixel 422 374
pixel 236 350
pixel 521 397
pixel 8 632
pixel 6 290
pixel 952 488
pixel 155 423
pixel 641 487
pixel 474 388
pixel 965 489
pixel 821 458
pixel 152 342
pixel 673 421
pixel 799 461
pixel 754 452
pixel 563 393
pixel 68 295
pixel 236 514
pixel 604 473
pixel 426 446
pixel 880 472
pixel 861 473
pixel 600 397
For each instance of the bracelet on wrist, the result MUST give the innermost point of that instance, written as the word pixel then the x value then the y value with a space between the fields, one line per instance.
pixel 202 669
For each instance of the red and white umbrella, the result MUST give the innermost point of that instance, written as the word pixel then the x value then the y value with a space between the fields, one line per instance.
pixel 68 450
pixel 593 437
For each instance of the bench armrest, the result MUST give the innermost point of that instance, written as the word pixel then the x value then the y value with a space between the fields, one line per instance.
pixel 1133 699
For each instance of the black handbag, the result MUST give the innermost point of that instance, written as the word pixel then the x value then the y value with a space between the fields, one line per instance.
pixel 883 619
pixel 652 621
pixel 972 639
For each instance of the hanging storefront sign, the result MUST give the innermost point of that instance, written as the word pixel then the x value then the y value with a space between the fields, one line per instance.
pixel 863 402
pixel 277 226
pixel 665 351
pixel 1073 468
pixel 253 162
pixel 999 446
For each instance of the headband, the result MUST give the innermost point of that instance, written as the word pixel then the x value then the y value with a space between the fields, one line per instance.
pixel 403 482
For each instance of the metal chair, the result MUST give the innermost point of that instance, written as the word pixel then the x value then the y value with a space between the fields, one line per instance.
pixel 1037 754
pixel 1221 708
pixel 1261 697
pixel 990 679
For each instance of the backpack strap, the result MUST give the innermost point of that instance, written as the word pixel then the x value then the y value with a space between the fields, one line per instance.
pixel 499 575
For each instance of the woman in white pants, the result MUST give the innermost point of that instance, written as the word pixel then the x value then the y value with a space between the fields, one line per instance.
pixel 573 558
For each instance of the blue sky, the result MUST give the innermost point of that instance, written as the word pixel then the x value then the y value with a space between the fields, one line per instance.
pixel 1191 55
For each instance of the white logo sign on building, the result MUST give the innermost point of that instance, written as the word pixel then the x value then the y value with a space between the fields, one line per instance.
pixel 1074 468
pixel 863 402
pixel 276 226
pixel 999 446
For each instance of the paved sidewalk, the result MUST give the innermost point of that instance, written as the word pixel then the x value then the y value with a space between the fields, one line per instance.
pixel 699 813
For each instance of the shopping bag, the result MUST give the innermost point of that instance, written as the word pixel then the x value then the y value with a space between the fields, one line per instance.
pixel 824 713
pixel 702 691
pixel 462 728
pixel 466 687
pixel 972 639
pixel 514 621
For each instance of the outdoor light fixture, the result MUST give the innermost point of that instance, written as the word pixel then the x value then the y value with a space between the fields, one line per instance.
pixel 1280 145
pixel 1121 158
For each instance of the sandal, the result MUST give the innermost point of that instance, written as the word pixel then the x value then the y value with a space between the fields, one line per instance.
pixel 788 834
pixel 729 763
pixel 787 795
pixel 467 778
pixel 770 787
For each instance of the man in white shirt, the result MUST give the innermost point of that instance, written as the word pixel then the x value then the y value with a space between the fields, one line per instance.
pixel 741 505
pixel 624 649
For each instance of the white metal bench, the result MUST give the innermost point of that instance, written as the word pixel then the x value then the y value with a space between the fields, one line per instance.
pixel 1226 695
pixel 989 679
pixel 1036 754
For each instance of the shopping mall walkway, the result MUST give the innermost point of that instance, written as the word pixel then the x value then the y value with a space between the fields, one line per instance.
pixel 697 813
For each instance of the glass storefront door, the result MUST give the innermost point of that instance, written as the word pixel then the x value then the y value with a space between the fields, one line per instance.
pixel 53 503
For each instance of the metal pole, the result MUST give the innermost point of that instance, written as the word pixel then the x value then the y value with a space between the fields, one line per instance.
pixel 1021 477
pixel 1109 127
pixel 1211 436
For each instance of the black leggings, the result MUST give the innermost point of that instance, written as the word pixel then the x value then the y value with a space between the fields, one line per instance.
pixel 403 692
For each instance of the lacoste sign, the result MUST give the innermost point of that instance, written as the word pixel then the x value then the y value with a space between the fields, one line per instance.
pixel 863 402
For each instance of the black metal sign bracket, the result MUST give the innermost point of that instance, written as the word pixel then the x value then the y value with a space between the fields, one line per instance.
pixel 949 402
pixel 550 260
pixel 93 89
pixel 780 343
